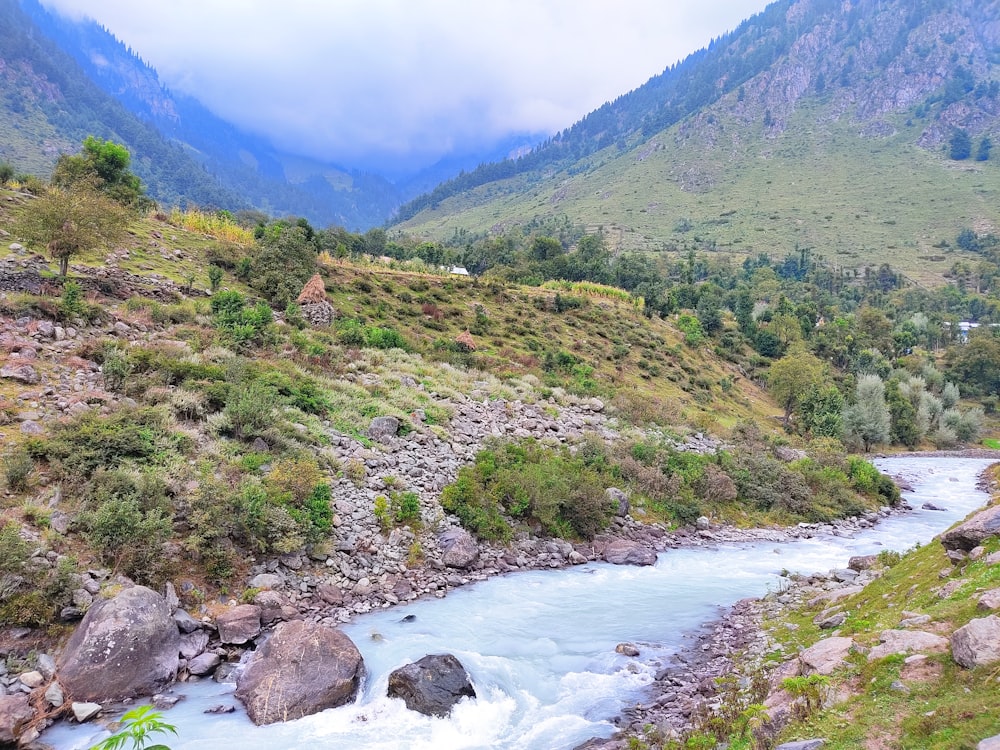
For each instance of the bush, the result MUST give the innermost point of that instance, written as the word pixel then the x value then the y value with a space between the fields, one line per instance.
pixel 250 408
pixel 384 338
pixel 17 468
pixel 128 537
pixel 115 368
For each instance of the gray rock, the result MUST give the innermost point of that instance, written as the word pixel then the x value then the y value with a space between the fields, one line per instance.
pixel 85 711
pixel 989 600
pixel 431 685
pixel 29 427
pixel 303 668
pixel 15 713
pixel 267 581
pixel 977 643
pixel 239 624
pixel 204 663
pixel 907 642
pixel 24 373
pixel 47 666
pixel 627 649
pixel 975 531
pixel 185 622
pixel 827 619
pixel 990 743
pixel 459 548
pixel 802 745
pixel 32 679
pixel 125 647
pixel 624 552
pixel 824 656
pixel 54 695
pixel 618 500
pixel 383 427
pixel 862 562
pixel 193 644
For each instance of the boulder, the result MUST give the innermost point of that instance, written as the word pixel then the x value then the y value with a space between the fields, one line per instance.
pixel 990 743
pixel 124 647
pixel 383 427
pixel 989 600
pixel 624 552
pixel 15 713
pixel 815 744
pixel 239 624
pixel 22 372
pixel 973 532
pixel 977 643
pixel 824 656
pixel 85 711
pixel 618 500
pixel 907 642
pixel 862 562
pixel 303 668
pixel 204 663
pixel 459 548
pixel 432 685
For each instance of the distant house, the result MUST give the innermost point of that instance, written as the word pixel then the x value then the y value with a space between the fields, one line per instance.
pixel 459 270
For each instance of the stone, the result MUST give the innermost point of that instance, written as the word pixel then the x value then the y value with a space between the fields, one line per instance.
pixel 383 427
pixel 909 622
pixel 24 373
pixel 205 663
pixel 303 668
pixel 329 593
pixel 459 548
pixel 618 500
pixel 989 600
pixel 47 666
pixel 826 619
pixel 624 552
pixel 627 649
pixel 85 711
pixel 15 713
pixel 990 743
pixel 973 532
pixel 862 562
pixel 907 642
pixel 977 643
pixel 54 695
pixel 267 581
pixel 824 656
pixel 32 679
pixel 193 644
pixel 185 622
pixel 28 427
pixel 802 745
pixel 125 647
pixel 432 685
pixel 239 624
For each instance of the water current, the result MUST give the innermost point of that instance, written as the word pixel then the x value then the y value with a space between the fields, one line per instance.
pixel 540 646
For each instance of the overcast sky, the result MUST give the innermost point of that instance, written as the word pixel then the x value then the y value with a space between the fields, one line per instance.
pixel 364 81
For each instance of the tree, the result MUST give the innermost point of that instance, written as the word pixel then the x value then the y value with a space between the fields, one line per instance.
pixel 282 264
pixel 792 376
pixel 983 152
pixel 867 420
pixel 104 164
pixel 960 145
pixel 71 220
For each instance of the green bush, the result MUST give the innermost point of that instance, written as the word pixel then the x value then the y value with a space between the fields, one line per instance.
pixel 406 507
pixel 17 468
pixel 127 536
pixel 250 408
pixel 384 338
pixel 115 368
pixel 241 324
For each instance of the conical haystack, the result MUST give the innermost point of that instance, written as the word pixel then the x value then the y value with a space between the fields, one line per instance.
pixel 316 308
pixel 465 341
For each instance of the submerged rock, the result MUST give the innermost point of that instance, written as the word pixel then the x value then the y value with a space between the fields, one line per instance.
pixel 432 685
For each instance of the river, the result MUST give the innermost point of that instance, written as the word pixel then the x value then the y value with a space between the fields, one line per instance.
pixel 540 646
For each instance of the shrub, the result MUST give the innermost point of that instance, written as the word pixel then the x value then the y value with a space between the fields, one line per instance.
pixel 406 507
pixel 128 537
pixel 250 408
pixel 115 368
pixel 17 468
pixel 384 338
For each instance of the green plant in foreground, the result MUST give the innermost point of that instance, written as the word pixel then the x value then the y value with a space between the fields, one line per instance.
pixel 136 726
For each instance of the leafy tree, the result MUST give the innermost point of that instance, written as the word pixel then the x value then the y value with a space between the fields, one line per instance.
pixel 104 164
pixel 282 264
pixel 983 152
pixel 546 248
pixel 976 364
pixel 792 376
pixel 820 410
pixel 71 220
pixel 867 421
pixel 960 145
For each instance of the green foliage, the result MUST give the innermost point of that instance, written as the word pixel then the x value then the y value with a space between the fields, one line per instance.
pixel 690 326
pixel 72 300
pixel 960 145
pixel 282 262
pixel 127 536
pixel 17 467
pixel 379 337
pixel 242 324
pixel 406 507
pixel 104 164
pixel 215 274
pixel 524 481
pixel 115 368
pixel 137 727
pixel 89 441
pixel 249 408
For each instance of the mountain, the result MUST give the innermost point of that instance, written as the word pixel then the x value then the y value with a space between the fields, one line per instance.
pixel 49 106
pixel 816 123
pixel 245 167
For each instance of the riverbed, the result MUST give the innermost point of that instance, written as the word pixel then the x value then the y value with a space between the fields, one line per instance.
pixel 540 646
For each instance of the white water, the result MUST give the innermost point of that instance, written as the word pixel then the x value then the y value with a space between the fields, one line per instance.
pixel 539 646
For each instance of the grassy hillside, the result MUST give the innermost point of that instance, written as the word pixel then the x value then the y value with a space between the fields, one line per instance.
pixel 819 184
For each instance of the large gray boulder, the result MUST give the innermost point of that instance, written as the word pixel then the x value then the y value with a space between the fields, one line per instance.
pixel 239 624
pixel 431 685
pixel 15 713
pixel 459 548
pixel 124 647
pixel 302 669
pixel 971 533
pixel 382 428
pixel 624 552
pixel 907 642
pixel 824 656
pixel 977 643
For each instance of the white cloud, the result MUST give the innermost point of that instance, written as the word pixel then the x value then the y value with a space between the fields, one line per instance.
pixel 351 80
